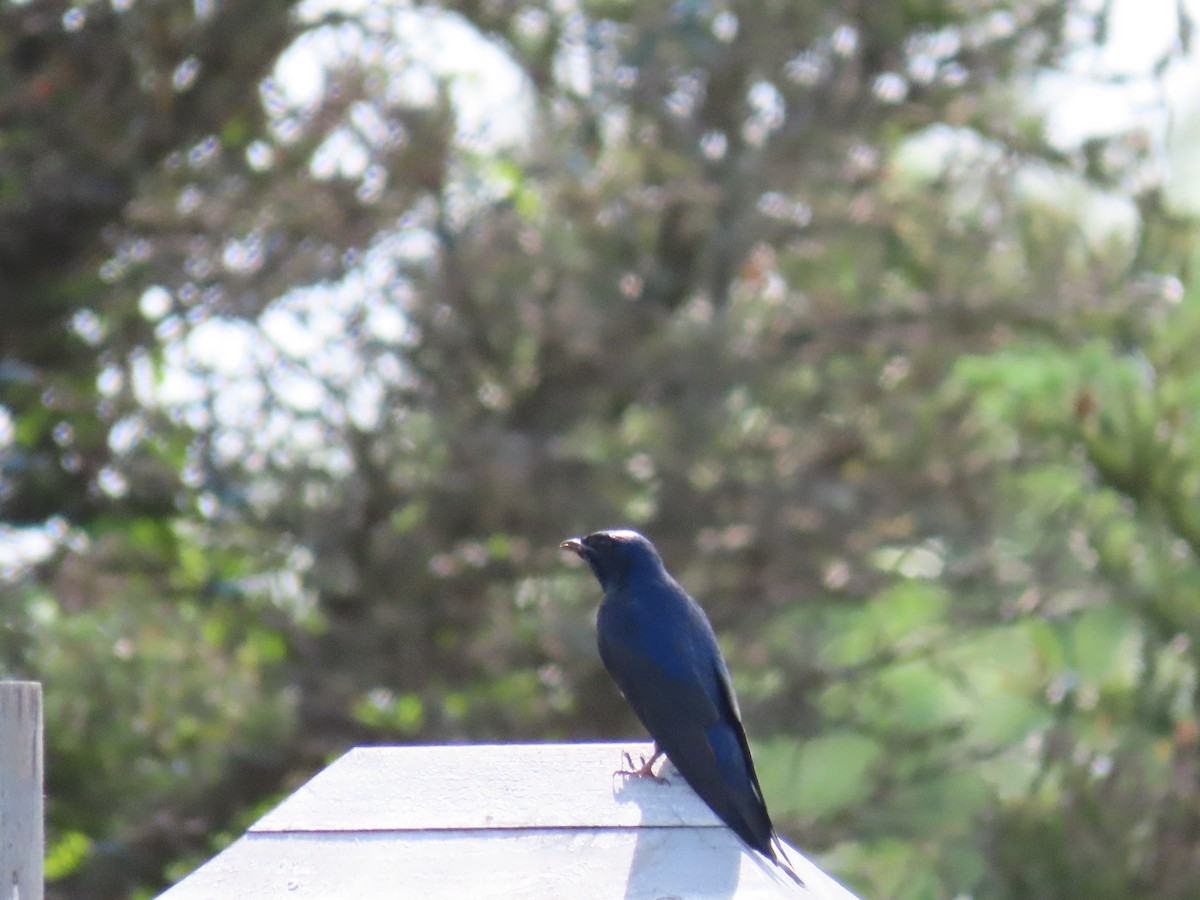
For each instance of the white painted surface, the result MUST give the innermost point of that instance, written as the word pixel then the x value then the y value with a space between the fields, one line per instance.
pixel 522 821
pixel 21 832
pixel 485 786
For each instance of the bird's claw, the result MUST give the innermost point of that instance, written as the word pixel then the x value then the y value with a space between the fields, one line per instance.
pixel 645 770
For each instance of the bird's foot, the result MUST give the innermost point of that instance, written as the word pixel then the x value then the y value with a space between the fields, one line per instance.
pixel 646 770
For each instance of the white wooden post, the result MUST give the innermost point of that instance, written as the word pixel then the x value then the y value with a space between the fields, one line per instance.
pixel 21 836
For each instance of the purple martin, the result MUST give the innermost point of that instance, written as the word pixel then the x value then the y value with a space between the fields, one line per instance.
pixel 660 649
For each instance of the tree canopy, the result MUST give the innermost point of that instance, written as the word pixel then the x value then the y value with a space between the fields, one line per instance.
pixel 322 324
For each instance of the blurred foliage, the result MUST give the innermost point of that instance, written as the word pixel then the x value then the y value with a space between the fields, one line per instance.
pixel 315 341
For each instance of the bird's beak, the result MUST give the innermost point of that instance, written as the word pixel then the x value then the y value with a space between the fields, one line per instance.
pixel 575 545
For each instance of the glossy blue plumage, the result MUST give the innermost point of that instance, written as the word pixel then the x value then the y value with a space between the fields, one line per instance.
pixel 660 649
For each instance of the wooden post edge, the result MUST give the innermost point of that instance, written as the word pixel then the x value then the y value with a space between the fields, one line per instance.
pixel 22 837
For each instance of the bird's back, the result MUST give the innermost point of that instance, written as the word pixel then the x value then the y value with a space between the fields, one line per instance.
pixel 662 652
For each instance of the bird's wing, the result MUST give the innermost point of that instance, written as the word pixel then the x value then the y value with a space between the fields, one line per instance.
pixel 692 717
pixel 664 704
pixel 728 740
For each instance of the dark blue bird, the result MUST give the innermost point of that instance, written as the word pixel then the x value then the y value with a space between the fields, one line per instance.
pixel 660 649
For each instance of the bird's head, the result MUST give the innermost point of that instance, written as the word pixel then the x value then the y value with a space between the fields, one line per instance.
pixel 614 555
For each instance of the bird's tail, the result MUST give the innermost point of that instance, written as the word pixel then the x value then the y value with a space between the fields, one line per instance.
pixel 780 858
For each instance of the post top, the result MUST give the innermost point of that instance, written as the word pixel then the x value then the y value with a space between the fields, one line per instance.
pixel 435 788
pixel 508 820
